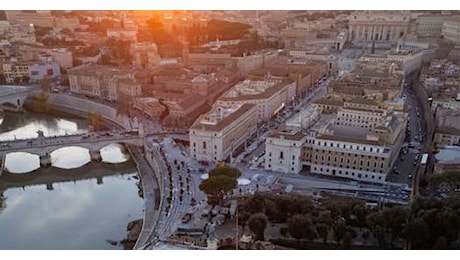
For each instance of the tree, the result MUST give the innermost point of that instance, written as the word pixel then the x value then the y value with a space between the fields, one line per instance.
pixel 441 243
pixel 323 231
pixel 255 204
pixel 217 186
pixel 257 223
pixel 226 170
pixel 45 84
pixel 2 78
pixel 346 243
pixel 95 121
pixel 417 233
pixel 299 226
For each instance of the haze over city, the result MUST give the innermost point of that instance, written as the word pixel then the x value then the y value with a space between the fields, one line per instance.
pixel 230 129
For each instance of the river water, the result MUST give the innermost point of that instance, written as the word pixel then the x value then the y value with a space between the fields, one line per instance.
pixel 77 214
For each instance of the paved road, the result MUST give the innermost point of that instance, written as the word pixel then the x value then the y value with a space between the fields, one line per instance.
pixel 405 167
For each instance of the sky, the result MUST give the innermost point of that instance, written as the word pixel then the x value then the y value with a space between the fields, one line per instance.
pixel 230 5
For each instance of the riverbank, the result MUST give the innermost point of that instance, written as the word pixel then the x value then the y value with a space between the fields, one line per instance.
pixel 134 229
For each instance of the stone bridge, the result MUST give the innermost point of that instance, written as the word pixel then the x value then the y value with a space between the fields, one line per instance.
pixel 43 146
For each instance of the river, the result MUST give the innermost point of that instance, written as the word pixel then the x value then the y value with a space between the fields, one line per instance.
pixel 79 214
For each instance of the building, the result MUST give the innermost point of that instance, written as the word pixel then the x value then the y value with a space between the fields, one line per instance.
pixel 378 26
pixel 304 56
pixel 430 25
pixel 216 135
pixel 447 131
pixel 47 67
pixel 145 54
pixel 104 82
pixel 359 143
pixel 270 95
pixel 15 71
pixel 150 106
pixel 39 18
pixel 451 29
pixel 302 76
pixel 129 34
pixel 63 56
pixel 283 150
pixel 248 63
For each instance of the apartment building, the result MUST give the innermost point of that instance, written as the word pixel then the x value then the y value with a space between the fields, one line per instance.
pixel 359 143
pixel 104 82
pixel 270 95
pixel 216 135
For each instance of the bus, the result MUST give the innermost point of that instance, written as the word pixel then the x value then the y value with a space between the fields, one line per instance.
pixel 424 159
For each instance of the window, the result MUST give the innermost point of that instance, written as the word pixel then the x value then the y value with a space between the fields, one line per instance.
pixel 293 157
pixel 204 145
pixel 215 147
pixel 281 155
pixel 270 154
pixel 194 144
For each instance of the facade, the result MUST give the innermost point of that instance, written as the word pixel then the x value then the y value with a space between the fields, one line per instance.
pixel 355 144
pixel 378 26
pixel 270 95
pixel 216 135
pixel 145 55
pixel 430 25
pixel 451 30
pixel 302 76
pixel 249 63
pixel 39 71
pixel 149 105
pixel 15 72
pixel 103 82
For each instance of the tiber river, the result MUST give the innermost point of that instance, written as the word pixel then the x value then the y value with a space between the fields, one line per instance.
pixel 79 214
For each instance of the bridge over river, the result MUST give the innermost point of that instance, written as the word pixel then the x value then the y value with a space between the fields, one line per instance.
pixel 43 146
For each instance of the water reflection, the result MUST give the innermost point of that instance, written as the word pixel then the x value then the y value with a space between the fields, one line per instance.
pixel 70 157
pixel 80 216
pixel 73 215
pixel 114 153
pixel 26 125
pixel 20 162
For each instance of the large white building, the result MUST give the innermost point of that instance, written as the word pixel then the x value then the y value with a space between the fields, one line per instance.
pixel 378 26
pixel 451 29
pixel 430 25
pixel 358 143
pixel 215 135
pixel 270 95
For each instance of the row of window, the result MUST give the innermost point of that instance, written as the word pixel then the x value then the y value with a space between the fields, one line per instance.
pixel 346 173
pixel 344 146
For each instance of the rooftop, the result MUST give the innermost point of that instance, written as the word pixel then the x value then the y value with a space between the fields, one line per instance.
pixel 288 133
pixel 220 117
pixel 254 89
pixel 449 154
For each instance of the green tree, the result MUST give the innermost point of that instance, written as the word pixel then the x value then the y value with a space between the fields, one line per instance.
pixel 257 223
pixel 217 186
pixel 226 170
pixel 346 243
pixel 300 226
pixel 323 231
